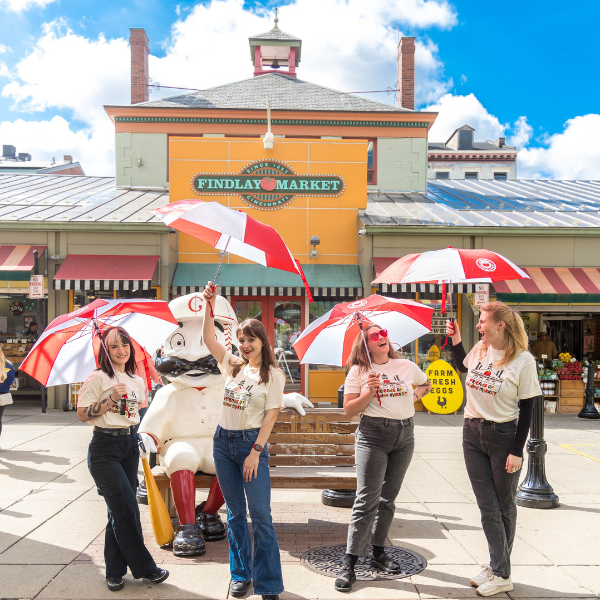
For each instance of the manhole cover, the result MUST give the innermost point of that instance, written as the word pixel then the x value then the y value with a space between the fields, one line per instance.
pixel 329 561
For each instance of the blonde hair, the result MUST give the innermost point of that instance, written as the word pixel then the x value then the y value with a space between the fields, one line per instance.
pixel 3 361
pixel 516 336
pixel 358 354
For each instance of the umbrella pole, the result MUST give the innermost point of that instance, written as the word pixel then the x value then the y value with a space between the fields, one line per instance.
pixel 362 332
pixel 99 334
pixel 222 253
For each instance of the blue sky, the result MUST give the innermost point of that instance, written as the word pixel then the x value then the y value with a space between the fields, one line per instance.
pixel 525 70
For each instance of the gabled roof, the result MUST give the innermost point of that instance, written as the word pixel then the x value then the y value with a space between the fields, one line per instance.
pixel 284 92
pixel 275 35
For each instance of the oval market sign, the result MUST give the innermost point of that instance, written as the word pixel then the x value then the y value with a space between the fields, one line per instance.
pixel 267 184
pixel 446 394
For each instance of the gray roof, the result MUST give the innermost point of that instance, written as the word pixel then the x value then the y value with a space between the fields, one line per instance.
pixel 277 35
pixel 477 147
pixel 284 92
pixel 467 203
pixel 74 198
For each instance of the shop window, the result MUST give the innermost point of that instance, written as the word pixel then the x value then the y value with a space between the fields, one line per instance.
pixel 84 297
pixel 442 175
pixel 500 176
pixel 128 294
pixel 17 311
pixel 317 309
pixel 473 175
pixel 372 162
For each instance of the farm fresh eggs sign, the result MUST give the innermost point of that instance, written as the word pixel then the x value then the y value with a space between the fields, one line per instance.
pixel 267 184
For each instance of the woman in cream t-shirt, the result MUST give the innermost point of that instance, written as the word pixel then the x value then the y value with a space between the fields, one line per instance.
pixel 501 386
pixel 383 390
pixel 114 456
pixel 253 396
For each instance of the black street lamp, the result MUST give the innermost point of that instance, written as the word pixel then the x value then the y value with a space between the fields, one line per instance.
pixel 535 491
pixel 589 410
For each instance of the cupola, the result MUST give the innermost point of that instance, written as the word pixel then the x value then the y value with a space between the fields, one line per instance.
pixel 275 52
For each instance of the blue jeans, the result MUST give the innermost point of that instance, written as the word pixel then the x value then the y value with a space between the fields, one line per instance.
pixel 113 463
pixel 230 449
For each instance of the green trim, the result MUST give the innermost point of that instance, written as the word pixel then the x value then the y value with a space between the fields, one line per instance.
pixel 550 298
pixel 15 275
pixel 300 122
pixel 237 275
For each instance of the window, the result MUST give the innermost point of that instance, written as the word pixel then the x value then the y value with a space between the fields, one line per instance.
pixel 500 176
pixel 372 162
pixel 472 175
pixel 442 175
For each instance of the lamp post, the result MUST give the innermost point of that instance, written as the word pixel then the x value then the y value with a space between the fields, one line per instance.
pixel 535 491
pixel 38 313
pixel 589 410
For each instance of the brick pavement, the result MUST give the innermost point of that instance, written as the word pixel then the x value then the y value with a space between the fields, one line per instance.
pixel 299 527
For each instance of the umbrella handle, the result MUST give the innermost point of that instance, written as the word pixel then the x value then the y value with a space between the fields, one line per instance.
pixel 123 403
pixel 362 331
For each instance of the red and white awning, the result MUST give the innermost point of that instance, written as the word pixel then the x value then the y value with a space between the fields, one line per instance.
pixel 18 258
pixel 553 280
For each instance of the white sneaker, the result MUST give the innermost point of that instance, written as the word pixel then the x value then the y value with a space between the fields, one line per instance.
pixel 484 575
pixel 494 586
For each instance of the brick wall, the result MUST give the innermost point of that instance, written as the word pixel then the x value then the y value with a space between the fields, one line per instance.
pixel 401 164
pixel 138 42
pixel 152 149
pixel 406 73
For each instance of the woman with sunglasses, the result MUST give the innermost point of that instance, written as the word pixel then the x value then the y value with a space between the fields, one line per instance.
pixel 383 390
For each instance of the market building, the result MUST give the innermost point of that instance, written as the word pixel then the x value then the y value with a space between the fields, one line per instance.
pixel 93 240
pixel 330 149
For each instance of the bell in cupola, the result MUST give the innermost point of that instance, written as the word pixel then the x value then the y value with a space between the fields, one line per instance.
pixel 275 50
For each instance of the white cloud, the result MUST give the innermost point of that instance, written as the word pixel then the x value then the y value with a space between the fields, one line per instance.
pixel 522 132
pixel 22 5
pixel 3 48
pixel 45 139
pixel 572 154
pixel 456 111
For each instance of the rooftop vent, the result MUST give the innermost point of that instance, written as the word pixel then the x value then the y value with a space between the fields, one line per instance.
pixel 24 156
pixel 8 151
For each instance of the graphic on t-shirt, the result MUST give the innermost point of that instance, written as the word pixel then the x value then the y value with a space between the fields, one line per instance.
pixel 236 396
pixel 392 388
pixel 131 405
pixel 484 379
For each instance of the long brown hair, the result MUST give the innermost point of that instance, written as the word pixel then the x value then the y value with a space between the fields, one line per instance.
pixel 109 338
pixel 516 336
pixel 3 362
pixel 253 328
pixel 358 354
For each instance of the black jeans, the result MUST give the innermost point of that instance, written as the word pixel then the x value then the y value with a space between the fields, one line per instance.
pixel 113 462
pixel 1 414
pixel 486 447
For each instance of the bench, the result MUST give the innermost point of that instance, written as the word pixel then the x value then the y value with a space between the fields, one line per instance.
pixel 311 452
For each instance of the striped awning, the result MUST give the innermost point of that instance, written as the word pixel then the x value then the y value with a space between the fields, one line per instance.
pixel 317 292
pixel 17 261
pixel 408 290
pixel 106 273
pixel 553 280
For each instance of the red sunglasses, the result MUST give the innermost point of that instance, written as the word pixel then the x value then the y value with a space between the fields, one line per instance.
pixel 375 336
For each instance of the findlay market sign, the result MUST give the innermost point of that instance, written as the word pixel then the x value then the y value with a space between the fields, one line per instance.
pixel 267 184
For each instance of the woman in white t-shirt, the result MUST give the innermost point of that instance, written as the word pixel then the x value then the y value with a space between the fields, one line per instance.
pixel 253 397
pixel 501 386
pixel 114 456
pixel 385 396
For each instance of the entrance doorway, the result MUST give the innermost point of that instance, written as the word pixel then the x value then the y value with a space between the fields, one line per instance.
pixel 284 319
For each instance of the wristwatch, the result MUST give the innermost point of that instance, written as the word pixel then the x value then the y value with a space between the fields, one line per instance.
pixel 257 447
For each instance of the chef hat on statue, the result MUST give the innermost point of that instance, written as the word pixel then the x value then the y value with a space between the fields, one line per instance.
pixel 194 305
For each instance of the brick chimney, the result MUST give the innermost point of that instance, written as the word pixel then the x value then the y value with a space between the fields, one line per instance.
pixel 138 42
pixel 406 73
pixel 67 159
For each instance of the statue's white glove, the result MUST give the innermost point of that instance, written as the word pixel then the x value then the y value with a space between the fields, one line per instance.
pixel 297 401
pixel 147 445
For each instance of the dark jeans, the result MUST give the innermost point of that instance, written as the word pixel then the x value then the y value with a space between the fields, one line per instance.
pixel 113 462
pixel 486 447
pixel 1 413
pixel 384 449
pixel 263 567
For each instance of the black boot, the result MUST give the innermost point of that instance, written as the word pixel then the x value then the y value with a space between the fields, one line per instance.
pixel 347 578
pixel 383 562
pixel 213 529
pixel 188 541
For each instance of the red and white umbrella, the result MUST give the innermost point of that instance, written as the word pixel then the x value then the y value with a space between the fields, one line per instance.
pixel 233 231
pixel 451 265
pixel 329 339
pixel 67 349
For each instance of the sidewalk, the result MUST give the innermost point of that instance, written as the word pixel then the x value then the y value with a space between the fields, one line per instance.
pixel 52 522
